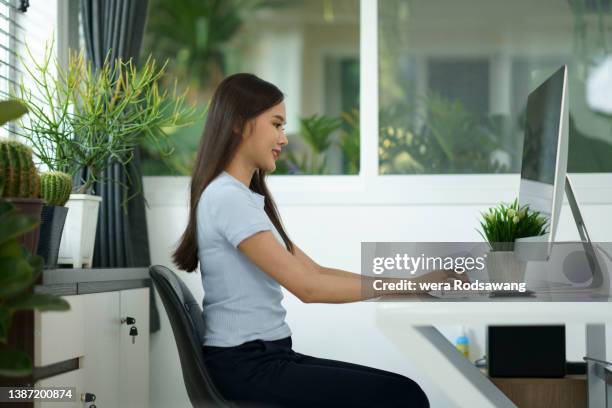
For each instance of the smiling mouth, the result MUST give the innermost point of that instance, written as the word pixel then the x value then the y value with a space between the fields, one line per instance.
pixel 275 153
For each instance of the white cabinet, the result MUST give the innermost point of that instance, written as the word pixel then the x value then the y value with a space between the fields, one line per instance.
pixel 111 366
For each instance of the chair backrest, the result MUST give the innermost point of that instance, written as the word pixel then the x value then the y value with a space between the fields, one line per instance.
pixel 187 323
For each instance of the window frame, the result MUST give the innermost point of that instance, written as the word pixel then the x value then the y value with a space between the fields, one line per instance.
pixel 368 188
pixel 371 188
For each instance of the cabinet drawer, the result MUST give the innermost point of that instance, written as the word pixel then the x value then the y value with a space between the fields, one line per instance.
pixel 72 378
pixel 59 336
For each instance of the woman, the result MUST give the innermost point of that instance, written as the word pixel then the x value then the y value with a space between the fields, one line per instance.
pixel 235 233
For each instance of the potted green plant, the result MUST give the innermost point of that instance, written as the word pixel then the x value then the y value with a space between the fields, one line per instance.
pixel 21 184
pixel 501 226
pixel 55 189
pixel 83 119
pixel 19 270
pixel 19 179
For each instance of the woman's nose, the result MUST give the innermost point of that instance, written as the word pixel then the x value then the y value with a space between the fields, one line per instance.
pixel 284 141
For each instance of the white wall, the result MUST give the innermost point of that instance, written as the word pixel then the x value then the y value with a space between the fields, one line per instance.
pixel 330 228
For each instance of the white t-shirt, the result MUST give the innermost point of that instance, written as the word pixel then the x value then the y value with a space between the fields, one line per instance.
pixel 241 302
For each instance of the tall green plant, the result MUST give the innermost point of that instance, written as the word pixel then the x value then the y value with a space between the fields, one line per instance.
pixel 86 118
pixel 18 272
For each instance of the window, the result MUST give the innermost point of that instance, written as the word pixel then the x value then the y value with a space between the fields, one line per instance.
pixel 450 79
pixel 454 78
pixel 8 39
pixel 309 49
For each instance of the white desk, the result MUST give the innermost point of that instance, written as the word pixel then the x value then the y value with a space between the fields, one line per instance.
pixel 409 325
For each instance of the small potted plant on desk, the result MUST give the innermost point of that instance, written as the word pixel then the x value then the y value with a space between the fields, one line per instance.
pixel 84 119
pixel 501 226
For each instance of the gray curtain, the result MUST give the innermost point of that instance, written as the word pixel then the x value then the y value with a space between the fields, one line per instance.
pixel 121 237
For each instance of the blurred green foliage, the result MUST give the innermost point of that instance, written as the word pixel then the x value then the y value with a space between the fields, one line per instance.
pixel 196 35
pixel 315 132
pixel 198 38
pixel 319 134
pixel 444 137
pixel 349 142
pixel 180 160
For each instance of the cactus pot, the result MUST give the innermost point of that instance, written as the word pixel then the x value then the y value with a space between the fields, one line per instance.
pixel 52 222
pixel 79 235
pixel 29 206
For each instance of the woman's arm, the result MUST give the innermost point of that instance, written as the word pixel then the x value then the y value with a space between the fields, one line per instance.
pixel 298 273
pixel 433 276
pixel 311 283
pixel 322 269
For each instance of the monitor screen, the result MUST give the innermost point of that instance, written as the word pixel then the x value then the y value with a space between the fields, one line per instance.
pixel 543 128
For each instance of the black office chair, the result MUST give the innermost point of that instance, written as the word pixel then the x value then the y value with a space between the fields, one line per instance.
pixel 185 317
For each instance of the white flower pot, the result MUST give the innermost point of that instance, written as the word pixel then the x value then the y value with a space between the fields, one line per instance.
pixel 79 236
pixel 504 266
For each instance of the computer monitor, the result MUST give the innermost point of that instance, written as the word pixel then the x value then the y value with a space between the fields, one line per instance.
pixel 544 181
pixel 544 163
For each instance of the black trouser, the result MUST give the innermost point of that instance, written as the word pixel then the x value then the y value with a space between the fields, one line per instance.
pixel 272 374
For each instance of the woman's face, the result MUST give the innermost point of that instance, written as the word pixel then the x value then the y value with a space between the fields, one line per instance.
pixel 264 138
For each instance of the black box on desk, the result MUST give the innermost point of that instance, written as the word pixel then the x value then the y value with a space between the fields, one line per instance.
pixel 526 351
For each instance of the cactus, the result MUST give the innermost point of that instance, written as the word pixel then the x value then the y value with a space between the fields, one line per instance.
pixel 55 187
pixel 18 175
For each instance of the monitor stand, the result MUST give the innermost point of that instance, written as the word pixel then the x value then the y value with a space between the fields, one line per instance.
pixel 589 249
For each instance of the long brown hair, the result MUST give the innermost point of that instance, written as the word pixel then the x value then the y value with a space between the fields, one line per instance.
pixel 238 99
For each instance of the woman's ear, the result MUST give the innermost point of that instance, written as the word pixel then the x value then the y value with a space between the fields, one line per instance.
pixel 247 130
pixel 237 129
